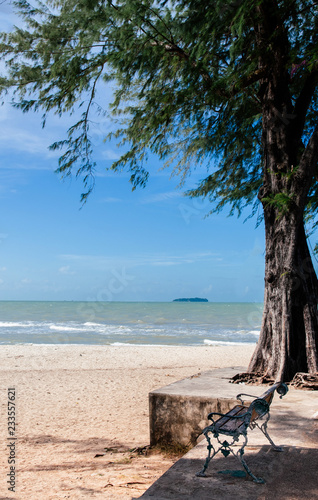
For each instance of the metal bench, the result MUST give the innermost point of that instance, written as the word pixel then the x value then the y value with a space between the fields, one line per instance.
pixel 235 423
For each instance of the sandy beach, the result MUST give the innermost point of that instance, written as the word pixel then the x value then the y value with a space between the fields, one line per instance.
pixel 81 415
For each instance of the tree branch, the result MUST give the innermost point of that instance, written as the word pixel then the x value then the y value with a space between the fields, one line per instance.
pixel 307 165
pixel 302 104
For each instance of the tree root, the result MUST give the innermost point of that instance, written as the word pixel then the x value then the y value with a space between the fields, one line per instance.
pixel 306 381
pixel 252 378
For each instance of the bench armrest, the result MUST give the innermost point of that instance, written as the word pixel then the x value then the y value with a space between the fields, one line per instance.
pixel 280 387
pixel 234 417
pixel 248 395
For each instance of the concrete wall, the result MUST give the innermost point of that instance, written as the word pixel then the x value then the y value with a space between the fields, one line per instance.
pixel 181 419
pixel 178 412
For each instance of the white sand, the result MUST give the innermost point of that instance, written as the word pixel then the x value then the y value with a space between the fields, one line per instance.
pixel 74 401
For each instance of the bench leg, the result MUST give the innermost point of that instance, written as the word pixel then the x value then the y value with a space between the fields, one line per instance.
pixel 263 428
pixel 226 448
pixel 240 454
pixel 210 447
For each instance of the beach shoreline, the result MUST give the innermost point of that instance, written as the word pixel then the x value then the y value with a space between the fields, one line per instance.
pixel 81 408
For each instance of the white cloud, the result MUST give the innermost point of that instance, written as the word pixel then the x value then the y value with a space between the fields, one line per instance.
pixel 166 263
pixel 15 138
pixel 110 154
pixel 109 199
pixel 4 109
pixel 162 197
pixel 7 17
pixel 66 270
pixel 103 262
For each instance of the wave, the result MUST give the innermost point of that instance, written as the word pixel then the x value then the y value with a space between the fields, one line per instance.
pixel 126 332
pixel 59 328
pixel 9 324
pixel 129 344
pixel 224 342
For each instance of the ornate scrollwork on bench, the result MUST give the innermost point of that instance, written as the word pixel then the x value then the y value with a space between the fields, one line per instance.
pixel 236 422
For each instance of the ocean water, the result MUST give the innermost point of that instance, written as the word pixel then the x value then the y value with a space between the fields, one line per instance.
pixel 129 323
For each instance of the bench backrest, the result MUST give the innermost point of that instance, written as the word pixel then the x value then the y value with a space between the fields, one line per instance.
pixel 260 405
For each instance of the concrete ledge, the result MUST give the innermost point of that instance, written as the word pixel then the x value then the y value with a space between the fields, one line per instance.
pixel 293 425
pixel 178 412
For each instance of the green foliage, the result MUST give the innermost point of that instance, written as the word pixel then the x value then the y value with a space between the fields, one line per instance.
pixel 189 83
pixel 281 201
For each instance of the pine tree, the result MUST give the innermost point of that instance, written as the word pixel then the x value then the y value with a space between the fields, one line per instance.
pixel 228 84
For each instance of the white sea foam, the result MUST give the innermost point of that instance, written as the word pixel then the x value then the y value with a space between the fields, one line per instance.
pixel 67 328
pixel 129 323
pixel 9 324
pixel 118 344
pixel 223 342
pixel 127 344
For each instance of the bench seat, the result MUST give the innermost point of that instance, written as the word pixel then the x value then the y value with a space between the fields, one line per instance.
pixel 229 425
pixel 236 422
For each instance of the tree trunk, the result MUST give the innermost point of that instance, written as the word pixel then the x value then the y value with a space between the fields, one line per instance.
pixel 288 341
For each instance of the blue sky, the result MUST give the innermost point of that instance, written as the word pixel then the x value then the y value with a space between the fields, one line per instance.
pixel 152 244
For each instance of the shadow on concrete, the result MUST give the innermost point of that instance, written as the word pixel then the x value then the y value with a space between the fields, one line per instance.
pixel 290 475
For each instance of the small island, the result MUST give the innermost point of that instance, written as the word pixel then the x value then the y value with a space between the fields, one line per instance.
pixel 195 299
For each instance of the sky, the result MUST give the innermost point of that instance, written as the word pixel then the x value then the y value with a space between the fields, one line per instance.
pixel 152 244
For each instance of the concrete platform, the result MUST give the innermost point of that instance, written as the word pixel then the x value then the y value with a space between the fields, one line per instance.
pixel 178 412
pixel 290 475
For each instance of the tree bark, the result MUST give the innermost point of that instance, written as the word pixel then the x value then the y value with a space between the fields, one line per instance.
pixel 288 340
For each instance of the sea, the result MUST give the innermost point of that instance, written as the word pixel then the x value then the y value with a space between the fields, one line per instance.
pixel 130 323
